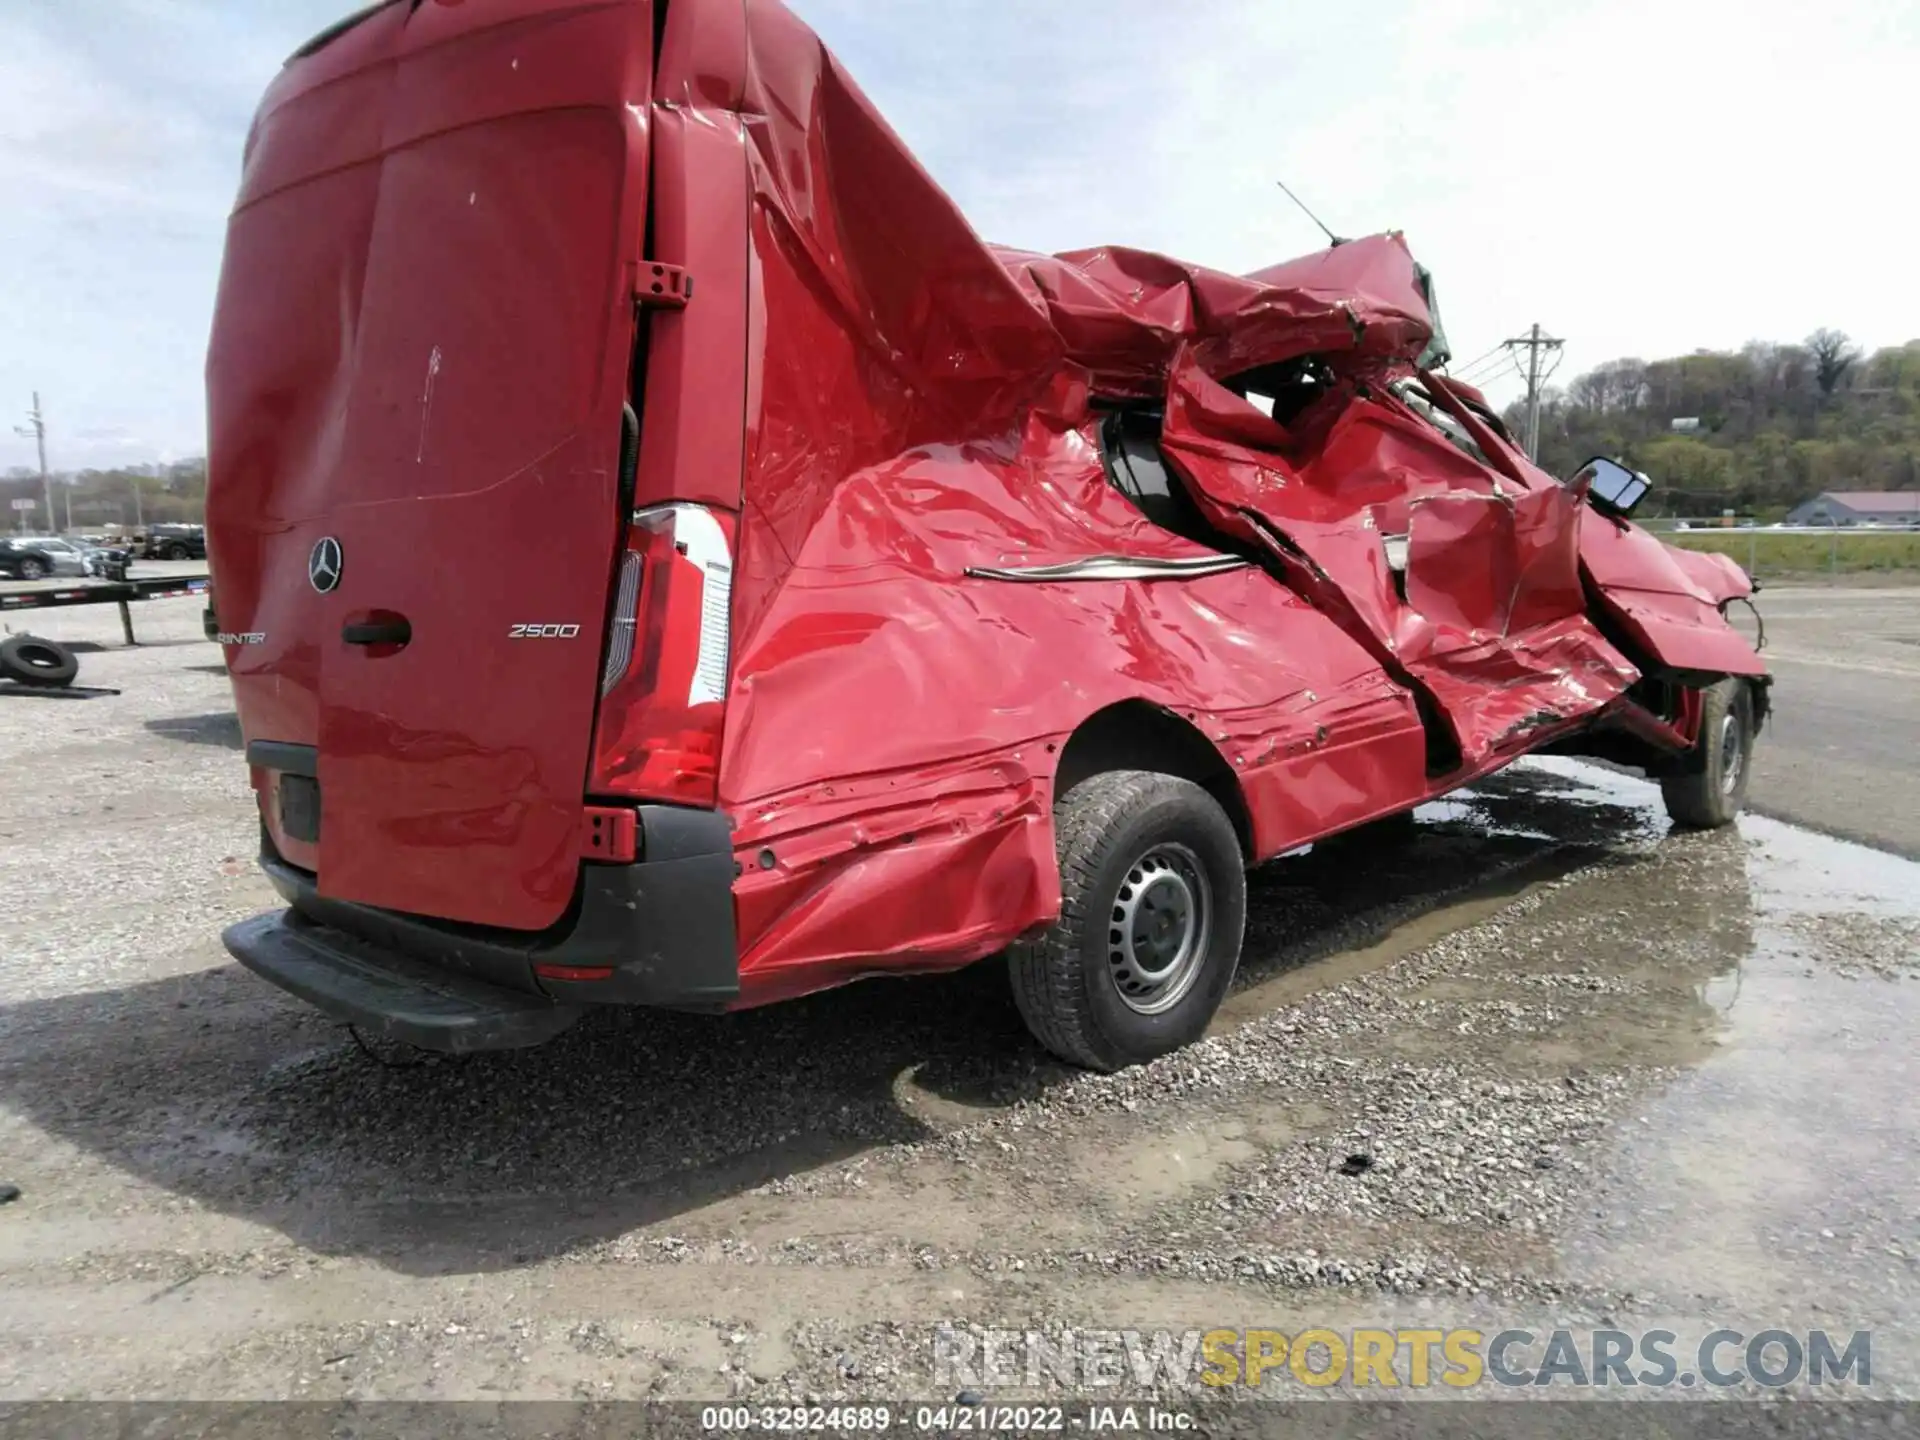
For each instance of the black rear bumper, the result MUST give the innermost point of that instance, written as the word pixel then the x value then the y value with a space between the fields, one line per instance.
pixel 390 994
pixel 660 929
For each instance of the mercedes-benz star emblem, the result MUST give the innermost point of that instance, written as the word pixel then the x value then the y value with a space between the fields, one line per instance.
pixel 323 565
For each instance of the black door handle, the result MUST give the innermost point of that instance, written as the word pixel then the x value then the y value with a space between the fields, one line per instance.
pixel 378 632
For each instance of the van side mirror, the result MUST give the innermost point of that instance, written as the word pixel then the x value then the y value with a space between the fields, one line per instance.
pixel 1612 489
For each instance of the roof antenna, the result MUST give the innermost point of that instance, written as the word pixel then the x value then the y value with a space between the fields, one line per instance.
pixel 1333 238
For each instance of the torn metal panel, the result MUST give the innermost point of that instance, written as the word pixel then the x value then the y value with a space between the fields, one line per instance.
pixel 1493 565
pixel 1488 621
pixel 1669 600
pixel 1125 314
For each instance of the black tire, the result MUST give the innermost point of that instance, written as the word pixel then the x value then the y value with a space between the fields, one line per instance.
pixel 37 662
pixel 1711 787
pixel 32 569
pixel 1131 843
pixel 179 552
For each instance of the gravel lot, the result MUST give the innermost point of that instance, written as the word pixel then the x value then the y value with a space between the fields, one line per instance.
pixel 1541 1063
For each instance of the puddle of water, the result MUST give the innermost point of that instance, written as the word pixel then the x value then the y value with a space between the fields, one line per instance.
pixel 1781 1174
pixel 1415 933
pixel 1470 855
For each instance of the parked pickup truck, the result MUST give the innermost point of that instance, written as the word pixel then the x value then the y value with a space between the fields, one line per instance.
pixel 175 542
pixel 673 561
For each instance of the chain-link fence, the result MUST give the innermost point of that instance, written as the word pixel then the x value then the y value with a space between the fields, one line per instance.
pixel 1781 551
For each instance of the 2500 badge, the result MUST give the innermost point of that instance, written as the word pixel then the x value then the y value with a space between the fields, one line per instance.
pixel 542 632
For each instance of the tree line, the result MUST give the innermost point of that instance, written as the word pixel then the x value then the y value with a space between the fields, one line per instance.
pixel 1759 429
pixel 89 501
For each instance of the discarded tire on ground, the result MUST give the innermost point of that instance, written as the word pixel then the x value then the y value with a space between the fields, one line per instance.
pixel 33 661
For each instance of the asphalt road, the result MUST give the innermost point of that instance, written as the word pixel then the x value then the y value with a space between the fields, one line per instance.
pixel 1840 755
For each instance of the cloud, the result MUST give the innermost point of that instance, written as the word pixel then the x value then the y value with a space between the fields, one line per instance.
pixel 121 124
pixel 1640 176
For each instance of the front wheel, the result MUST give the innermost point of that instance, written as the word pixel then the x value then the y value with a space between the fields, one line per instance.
pixel 1153 909
pixel 1711 789
pixel 179 552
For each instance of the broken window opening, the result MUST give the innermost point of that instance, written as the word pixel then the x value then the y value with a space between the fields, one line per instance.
pixel 1409 392
pixel 1130 449
pixel 1283 391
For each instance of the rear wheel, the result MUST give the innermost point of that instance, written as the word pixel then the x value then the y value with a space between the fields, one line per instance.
pixel 179 552
pixel 1712 788
pixel 1153 908
pixel 32 569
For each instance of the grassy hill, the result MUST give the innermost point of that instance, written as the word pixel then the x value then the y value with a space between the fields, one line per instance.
pixel 1777 424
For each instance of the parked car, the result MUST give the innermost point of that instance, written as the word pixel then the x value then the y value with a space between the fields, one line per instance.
pixel 95 558
pixel 66 557
pixel 26 558
pixel 883 602
pixel 107 561
pixel 175 542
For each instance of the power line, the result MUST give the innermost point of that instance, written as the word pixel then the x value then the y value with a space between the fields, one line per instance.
pixel 1481 366
pixel 1480 379
pixel 1492 365
pixel 1498 369
pixel 1466 365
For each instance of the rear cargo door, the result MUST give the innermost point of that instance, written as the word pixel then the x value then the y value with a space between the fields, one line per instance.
pixel 459 565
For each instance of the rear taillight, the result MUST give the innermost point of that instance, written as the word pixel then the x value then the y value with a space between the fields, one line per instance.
pixel 664 688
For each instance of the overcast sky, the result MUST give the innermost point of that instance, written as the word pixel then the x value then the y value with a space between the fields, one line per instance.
pixel 1642 177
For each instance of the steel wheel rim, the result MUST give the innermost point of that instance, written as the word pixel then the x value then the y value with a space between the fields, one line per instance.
pixel 1160 929
pixel 1733 759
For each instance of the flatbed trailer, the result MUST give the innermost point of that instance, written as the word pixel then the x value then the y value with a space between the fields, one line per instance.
pixel 47 594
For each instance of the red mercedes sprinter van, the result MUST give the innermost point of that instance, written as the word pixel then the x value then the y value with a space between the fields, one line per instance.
pixel 667 558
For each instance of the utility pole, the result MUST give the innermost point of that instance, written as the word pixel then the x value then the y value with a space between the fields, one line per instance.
pixel 1534 342
pixel 38 430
